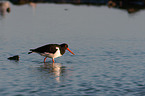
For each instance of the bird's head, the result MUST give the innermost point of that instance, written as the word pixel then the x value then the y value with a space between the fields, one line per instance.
pixel 65 46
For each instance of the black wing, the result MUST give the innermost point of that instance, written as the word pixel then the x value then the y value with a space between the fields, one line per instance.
pixel 51 48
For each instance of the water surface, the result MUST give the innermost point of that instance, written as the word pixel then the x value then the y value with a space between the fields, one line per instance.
pixel 109 45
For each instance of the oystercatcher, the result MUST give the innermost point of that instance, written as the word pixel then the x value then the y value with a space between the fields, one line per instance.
pixel 51 50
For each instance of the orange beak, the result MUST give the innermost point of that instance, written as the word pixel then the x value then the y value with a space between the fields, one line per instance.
pixel 70 51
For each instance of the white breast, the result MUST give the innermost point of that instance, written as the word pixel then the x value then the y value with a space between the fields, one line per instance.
pixel 51 55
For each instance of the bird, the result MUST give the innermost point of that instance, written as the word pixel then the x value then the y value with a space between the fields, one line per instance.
pixel 51 50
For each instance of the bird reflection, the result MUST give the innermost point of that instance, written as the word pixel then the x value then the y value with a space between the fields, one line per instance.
pixel 4 8
pixel 55 68
pixel 33 5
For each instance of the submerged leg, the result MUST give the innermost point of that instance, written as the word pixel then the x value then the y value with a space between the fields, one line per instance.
pixel 53 60
pixel 45 59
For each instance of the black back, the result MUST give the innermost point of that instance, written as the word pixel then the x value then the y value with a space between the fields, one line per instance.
pixel 51 48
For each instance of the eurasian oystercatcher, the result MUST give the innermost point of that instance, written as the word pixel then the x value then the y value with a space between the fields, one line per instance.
pixel 51 50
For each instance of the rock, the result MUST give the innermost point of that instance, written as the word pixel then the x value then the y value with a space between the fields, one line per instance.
pixel 16 57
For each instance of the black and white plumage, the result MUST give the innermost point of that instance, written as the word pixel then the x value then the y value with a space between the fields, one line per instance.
pixel 51 50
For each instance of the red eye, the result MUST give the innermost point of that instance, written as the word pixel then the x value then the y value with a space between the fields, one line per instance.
pixel 65 45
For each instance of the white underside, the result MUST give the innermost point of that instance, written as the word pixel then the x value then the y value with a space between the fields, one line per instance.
pixel 51 55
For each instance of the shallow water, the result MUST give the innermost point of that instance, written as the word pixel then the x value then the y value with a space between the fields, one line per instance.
pixel 109 45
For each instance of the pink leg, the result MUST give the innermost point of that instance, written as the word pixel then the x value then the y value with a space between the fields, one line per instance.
pixel 45 59
pixel 53 60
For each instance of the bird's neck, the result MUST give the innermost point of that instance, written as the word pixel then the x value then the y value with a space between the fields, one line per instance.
pixel 62 51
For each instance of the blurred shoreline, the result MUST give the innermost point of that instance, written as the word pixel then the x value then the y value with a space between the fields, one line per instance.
pixel 131 6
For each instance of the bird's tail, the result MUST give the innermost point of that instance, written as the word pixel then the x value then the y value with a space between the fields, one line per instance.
pixel 31 51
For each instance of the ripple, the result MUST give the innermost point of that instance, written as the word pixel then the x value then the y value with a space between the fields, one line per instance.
pixel 2 89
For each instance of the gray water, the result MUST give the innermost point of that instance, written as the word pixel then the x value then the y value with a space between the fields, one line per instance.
pixel 109 45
